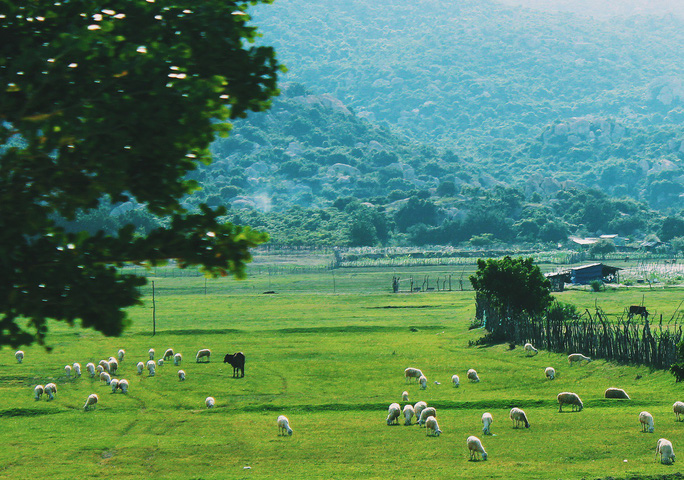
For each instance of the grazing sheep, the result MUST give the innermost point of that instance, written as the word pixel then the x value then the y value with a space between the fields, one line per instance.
pixel 518 416
pixel 487 422
pixel 475 447
pixel 181 375
pixel 50 391
pixel 100 369
pixel 123 385
pixel 210 402
pixel 646 420
pixel 410 373
pixel 472 375
pixel 237 361
pixel 177 359
pixel 613 392
pixel 114 383
pixel 432 427
pixel 569 398
pixel 423 382
pixel 456 381
pixel 120 355
pixel 150 352
pixel 425 413
pixel 664 448
pixel 284 425
pixel 678 409
pixel 404 396
pixel 577 358
pixel 90 367
pixel 151 366
pixel 76 368
pixel 160 362
pixel 393 414
pixel 550 373
pixel 418 408
pixel 105 365
pixel 105 377
pixel 168 354
pixel 67 370
pixel 529 349
pixel 140 367
pixel 90 401
pixel 408 414
pixel 203 353
pixel 38 391
pixel 113 365
pixel 19 355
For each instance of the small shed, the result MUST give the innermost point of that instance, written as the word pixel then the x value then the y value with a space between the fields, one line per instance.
pixel 585 274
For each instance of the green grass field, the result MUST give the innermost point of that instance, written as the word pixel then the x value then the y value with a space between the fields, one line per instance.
pixel 332 363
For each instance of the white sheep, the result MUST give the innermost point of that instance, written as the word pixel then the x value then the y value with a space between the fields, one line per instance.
pixel 50 390
pixel 569 398
pixel 113 365
pixel 487 423
pixel 114 383
pixel 67 370
pixel 100 369
pixel 177 359
pixel 646 420
pixel 38 391
pixel 140 366
pixel 160 362
pixel 151 366
pixel 425 413
pixel 432 427
pixel 150 352
pixel 577 358
pixel 393 414
pixel 19 355
pixel 613 392
pixel 518 416
pixel 120 355
pixel 91 401
pixel 423 382
pixel 123 385
pixel 90 367
pixel 529 349
pixel 168 354
pixel 472 375
pixel 475 447
pixel 404 396
pixel 456 381
pixel 410 373
pixel 105 377
pixel 105 365
pixel 203 353
pixel 409 413
pixel 181 375
pixel 76 368
pixel 678 409
pixel 664 448
pixel 550 373
pixel 283 425
pixel 210 402
pixel 418 408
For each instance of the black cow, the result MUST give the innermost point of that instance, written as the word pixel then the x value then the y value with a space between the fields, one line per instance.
pixel 237 360
pixel 637 310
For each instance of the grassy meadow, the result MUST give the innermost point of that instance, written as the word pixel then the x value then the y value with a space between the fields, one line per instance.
pixel 331 362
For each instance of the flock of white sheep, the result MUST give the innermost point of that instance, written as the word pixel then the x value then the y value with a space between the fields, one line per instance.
pixel 426 416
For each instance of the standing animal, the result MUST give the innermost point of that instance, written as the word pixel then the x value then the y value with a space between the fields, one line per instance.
pixel 210 402
pixel 140 367
pixel 664 448
pixel 550 373
pixel 181 375
pixel 408 414
pixel 410 373
pixel 455 381
pixel 91 401
pixel 418 408
pixel 283 425
pixel 423 382
pixel 50 391
pixel 472 375
pixel 90 366
pixel 404 396
pixel 577 358
pixel 38 391
pixel 487 423
pixel 475 448
pixel 203 353
pixel 67 370
pixel 393 414
pixel 151 367
pixel 19 355
pixel 177 359
pixel 76 368
pixel 678 409
pixel 237 361
pixel 113 365
pixel 150 352
pixel 432 427
pixel 569 398
pixel 646 420
pixel 168 354
pixel 613 392
pixel 530 350
pixel 518 416
pixel 114 384
pixel 425 413
pixel 105 377
pixel 120 355
pixel 160 362
pixel 123 385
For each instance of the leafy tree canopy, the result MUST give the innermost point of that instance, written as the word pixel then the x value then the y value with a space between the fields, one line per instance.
pixel 118 103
